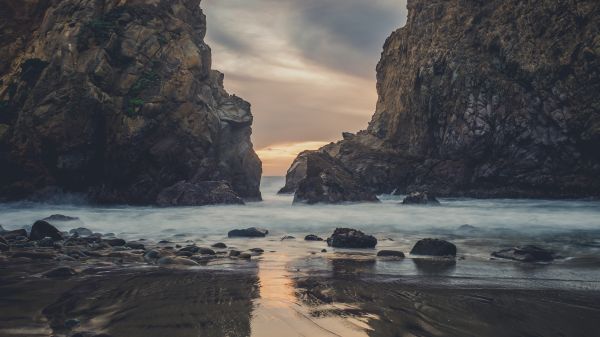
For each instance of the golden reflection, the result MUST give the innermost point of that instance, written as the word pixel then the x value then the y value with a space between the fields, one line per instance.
pixel 278 312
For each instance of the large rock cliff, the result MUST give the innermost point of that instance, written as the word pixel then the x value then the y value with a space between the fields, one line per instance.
pixel 116 99
pixel 496 98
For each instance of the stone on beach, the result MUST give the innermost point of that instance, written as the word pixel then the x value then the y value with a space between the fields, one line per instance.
pixel 251 232
pixel 14 234
pixel 434 247
pixel 42 229
pixel 390 253
pixel 115 242
pixel 527 253
pixel 351 238
pixel 312 237
pixel 135 245
pixel 219 245
pixel 81 231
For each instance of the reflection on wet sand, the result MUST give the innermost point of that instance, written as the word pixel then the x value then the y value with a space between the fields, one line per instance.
pixel 278 312
pixel 397 308
pixel 284 294
pixel 155 303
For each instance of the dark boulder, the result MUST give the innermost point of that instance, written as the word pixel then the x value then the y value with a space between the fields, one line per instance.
pixel 60 217
pixel 312 237
pixel 42 229
pixel 526 254
pixel 351 238
pixel 13 235
pixel 197 194
pixel 420 198
pixel 206 251
pixel 324 180
pixel 4 247
pixel 251 232
pixel 46 242
pixel 2 240
pixel 135 245
pixel 61 272
pixel 116 242
pixel 434 247
pixel 257 250
pixel 219 245
pixel 234 253
pixel 81 231
pixel 288 237
pixel 390 253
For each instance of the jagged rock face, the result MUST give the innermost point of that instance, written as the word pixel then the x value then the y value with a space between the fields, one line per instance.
pixel 116 99
pixel 486 98
pixel 319 178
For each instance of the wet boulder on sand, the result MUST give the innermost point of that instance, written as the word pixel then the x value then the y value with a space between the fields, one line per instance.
pixel 434 247
pixel 390 253
pixel 351 238
pixel 251 232
pixel 526 254
pixel 312 237
pixel 42 229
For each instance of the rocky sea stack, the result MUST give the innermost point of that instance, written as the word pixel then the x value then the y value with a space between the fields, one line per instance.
pixel 477 100
pixel 116 100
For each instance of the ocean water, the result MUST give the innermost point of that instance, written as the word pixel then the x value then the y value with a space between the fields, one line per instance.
pixel 570 227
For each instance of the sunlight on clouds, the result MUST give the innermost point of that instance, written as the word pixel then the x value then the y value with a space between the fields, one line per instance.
pixel 307 67
pixel 277 158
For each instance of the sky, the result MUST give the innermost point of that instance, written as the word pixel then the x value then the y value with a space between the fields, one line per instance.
pixel 306 66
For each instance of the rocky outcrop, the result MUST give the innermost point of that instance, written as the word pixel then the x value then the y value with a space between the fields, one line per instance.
pixel 434 247
pixel 526 254
pixel 351 238
pixel 318 178
pixel 116 100
pixel 251 232
pixel 420 198
pixel 475 100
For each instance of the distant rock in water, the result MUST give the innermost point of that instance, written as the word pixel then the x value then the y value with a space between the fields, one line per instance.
pixel 42 229
pixel 117 101
pixel 526 254
pixel 434 247
pixel 251 232
pixel 60 217
pixel 474 115
pixel 312 237
pixel 351 238
pixel 318 178
pixel 420 198
pixel 198 194
pixel 81 231
pixel 390 253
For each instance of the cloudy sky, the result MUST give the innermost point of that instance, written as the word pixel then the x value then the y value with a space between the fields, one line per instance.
pixel 306 66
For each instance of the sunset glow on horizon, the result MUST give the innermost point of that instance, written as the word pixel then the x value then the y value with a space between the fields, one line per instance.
pixel 307 67
pixel 277 158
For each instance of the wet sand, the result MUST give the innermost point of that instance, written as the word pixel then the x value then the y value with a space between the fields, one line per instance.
pixel 333 294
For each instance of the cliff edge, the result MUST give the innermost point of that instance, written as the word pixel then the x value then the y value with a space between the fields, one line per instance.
pixel 116 100
pixel 484 99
